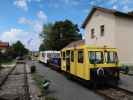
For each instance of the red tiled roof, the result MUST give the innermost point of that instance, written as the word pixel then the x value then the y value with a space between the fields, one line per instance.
pixel 4 44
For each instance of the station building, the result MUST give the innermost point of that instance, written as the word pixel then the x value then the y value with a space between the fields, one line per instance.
pixel 111 28
pixel 3 46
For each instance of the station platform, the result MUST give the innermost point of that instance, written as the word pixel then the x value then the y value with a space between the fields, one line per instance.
pixel 126 82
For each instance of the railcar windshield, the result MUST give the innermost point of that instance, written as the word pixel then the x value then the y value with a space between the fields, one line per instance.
pixel 53 55
pixel 96 57
pixel 99 57
pixel 111 57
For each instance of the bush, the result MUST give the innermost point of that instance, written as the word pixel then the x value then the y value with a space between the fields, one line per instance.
pixel 124 69
pixel 33 68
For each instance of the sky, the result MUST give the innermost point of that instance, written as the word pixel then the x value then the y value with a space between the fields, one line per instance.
pixel 23 19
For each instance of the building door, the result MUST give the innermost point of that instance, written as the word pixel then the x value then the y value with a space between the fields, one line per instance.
pixel 68 60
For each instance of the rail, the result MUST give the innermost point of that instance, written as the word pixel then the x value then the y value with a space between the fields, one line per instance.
pixel 26 85
pixel 115 93
pixel 6 76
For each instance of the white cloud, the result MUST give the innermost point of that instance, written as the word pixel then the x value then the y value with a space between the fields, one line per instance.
pixel 21 4
pixel 114 7
pixel 37 24
pixel 23 20
pixel 15 34
pixel 41 15
pixel 72 2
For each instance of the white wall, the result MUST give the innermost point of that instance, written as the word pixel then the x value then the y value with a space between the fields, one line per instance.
pixel 124 39
pixel 118 33
pixel 100 18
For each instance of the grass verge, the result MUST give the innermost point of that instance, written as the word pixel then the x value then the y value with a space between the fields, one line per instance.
pixel 39 81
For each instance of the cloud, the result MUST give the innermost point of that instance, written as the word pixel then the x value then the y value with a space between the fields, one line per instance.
pixel 41 15
pixel 15 34
pixel 72 2
pixel 37 24
pixel 114 7
pixel 21 4
pixel 23 20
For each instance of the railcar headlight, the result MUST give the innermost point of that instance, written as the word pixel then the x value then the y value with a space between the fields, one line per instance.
pixel 100 71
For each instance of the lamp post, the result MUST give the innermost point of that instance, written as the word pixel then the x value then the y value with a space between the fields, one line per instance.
pixel 29 43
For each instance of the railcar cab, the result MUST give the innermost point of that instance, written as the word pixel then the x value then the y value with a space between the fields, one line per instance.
pixel 91 63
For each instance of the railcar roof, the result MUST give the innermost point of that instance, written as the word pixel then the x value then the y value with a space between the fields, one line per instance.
pixel 81 44
pixel 50 51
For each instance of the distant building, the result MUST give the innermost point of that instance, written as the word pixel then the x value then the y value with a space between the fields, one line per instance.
pixel 111 28
pixel 3 46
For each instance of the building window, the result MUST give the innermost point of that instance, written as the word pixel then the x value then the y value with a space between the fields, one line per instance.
pixel 72 56
pixel 80 56
pixel 102 30
pixel 92 33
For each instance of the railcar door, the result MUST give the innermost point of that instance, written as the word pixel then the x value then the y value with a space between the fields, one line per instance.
pixel 72 65
pixel 80 66
pixel 68 60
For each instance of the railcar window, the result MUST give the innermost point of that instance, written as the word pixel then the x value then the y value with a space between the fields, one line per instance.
pixel 63 55
pixel 72 56
pixel 49 55
pixel 95 57
pixel 80 56
pixel 43 54
pixel 55 55
pixel 112 57
pixel 68 54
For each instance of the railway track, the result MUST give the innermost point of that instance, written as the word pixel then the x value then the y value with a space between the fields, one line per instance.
pixel 15 84
pixel 26 86
pixel 5 76
pixel 115 93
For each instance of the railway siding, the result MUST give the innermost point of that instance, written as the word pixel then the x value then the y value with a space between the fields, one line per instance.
pixel 13 88
pixel 4 72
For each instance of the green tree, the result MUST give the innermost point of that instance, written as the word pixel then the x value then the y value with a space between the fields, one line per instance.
pixel 19 49
pixel 45 35
pixel 60 34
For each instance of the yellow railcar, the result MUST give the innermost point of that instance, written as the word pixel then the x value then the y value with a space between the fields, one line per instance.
pixel 91 63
